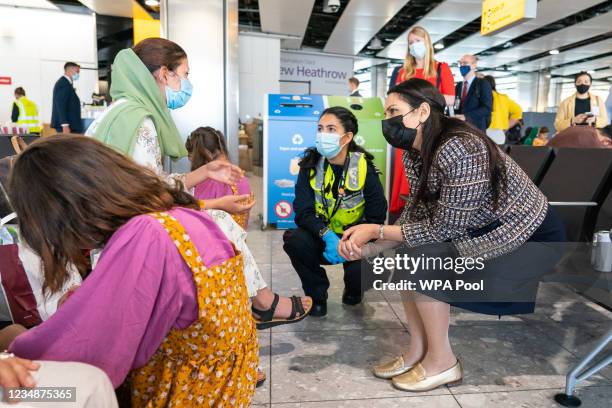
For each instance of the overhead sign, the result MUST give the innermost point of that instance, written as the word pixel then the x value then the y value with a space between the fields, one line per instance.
pixel 499 15
pixel 5 80
pixel 326 75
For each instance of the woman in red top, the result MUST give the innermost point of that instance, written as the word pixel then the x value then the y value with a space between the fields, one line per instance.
pixel 419 63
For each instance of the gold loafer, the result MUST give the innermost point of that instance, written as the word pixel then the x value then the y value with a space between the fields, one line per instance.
pixel 416 379
pixel 391 369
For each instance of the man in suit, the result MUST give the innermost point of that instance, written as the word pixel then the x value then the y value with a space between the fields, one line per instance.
pixel 66 113
pixel 475 97
pixel 354 87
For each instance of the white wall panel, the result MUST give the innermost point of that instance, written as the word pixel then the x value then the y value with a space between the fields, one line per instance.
pixel 35 62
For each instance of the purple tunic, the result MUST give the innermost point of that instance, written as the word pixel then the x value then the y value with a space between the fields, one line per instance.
pixel 209 189
pixel 139 291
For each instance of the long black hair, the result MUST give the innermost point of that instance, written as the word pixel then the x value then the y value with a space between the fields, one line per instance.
pixel 439 128
pixel 349 123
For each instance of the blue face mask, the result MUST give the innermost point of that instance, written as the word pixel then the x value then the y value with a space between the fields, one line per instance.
pixel 328 144
pixel 465 69
pixel 418 50
pixel 178 99
pixel 75 76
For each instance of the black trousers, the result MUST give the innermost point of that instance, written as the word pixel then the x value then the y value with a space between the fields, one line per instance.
pixel 306 254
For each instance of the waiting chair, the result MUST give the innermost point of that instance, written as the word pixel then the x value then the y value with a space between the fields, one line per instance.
pixel 533 160
pixel 576 183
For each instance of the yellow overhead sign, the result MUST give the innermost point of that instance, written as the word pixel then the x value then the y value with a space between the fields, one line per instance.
pixel 498 15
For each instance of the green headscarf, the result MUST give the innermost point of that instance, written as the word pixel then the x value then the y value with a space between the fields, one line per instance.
pixel 133 82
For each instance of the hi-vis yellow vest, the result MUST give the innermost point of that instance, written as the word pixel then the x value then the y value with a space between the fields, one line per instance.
pixel 28 114
pixel 352 205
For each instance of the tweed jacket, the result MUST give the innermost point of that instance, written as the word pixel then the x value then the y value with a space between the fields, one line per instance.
pixel 462 211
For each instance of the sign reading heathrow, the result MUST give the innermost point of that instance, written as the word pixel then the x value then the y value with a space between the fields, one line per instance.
pixel 327 75
pixel 499 15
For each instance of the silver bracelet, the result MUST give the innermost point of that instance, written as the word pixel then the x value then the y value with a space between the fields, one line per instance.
pixel 381 232
pixel 4 355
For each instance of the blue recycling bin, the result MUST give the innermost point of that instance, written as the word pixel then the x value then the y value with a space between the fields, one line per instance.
pixel 290 127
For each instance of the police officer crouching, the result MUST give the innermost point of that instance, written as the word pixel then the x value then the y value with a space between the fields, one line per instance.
pixel 338 186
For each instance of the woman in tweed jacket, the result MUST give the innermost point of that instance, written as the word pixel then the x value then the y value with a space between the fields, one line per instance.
pixel 468 199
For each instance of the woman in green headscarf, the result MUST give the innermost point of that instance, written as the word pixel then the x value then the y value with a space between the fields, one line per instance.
pixel 146 81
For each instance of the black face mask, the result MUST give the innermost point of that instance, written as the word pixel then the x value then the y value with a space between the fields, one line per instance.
pixel 582 89
pixel 398 135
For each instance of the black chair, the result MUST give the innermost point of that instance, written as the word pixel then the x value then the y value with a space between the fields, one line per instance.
pixel 6 145
pixel 576 183
pixel 534 161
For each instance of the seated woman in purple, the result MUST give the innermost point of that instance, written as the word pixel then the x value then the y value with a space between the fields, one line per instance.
pixel 205 145
pixel 167 290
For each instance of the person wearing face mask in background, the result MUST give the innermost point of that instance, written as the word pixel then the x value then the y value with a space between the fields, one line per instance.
pixel 419 63
pixel 474 103
pixel 66 110
pixel 338 186
pixel 583 107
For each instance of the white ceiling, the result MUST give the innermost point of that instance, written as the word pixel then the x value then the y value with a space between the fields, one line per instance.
pixel 574 54
pixel 585 66
pixel 117 8
pixel 603 74
pixel 359 23
pixel 549 11
pixel 41 4
pixel 441 21
pixel 578 32
pixel 289 17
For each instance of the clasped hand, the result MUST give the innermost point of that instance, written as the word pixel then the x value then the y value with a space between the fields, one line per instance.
pixel 355 238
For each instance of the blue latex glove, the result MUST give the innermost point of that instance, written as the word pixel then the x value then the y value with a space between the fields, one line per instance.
pixel 331 248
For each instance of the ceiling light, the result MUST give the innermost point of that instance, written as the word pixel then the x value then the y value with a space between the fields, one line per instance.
pixel 591 71
pixel 439 46
pixel 152 3
pixel 553 52
pixel 376 44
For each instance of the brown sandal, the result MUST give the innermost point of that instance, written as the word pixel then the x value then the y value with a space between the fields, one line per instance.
pixel 266 317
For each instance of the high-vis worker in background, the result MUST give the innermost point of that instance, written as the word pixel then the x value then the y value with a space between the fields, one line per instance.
pixel 338 186
pixel 24 112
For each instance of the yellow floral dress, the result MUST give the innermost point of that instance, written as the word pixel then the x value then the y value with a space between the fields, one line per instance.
pixel 213 362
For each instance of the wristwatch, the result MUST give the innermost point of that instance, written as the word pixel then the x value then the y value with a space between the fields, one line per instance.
pixel 323 231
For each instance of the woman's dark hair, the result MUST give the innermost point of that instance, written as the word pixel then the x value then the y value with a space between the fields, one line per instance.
pixel 71 193
pixel 437 129
pixel 583 73
pixel 20 91
pixel 204 145
pixel 491 80
pixel 349 123
pixel 159 52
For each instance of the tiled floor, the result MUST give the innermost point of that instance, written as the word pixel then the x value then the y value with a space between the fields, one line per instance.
pixel 514 362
